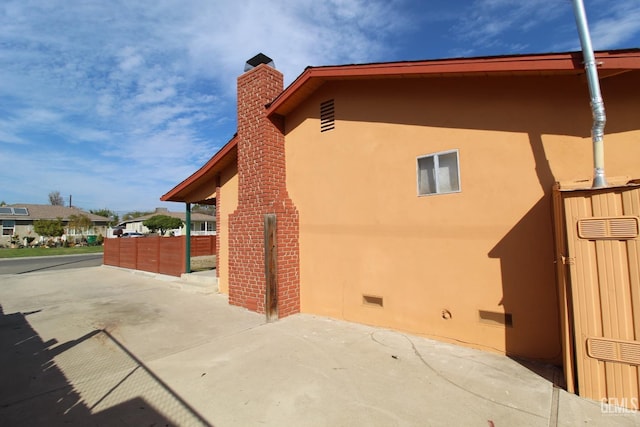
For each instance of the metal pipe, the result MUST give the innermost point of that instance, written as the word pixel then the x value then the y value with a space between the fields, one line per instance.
pixel 597 105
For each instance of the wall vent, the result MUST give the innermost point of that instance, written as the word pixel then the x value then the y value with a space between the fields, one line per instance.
pixel 619 228
pixel 614 350
pixel 372 300
pixel 495 318
pixel 327 116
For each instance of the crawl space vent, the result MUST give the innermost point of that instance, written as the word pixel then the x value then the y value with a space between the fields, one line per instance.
pixel 372 300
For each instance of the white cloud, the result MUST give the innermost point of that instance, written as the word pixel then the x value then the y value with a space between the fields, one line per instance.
pixel 294 34
pixel 9 137
pixel 616 23
pixel 129 98
pixel 485 22
pixel 141 93
pixel 129 59
pixel 495 24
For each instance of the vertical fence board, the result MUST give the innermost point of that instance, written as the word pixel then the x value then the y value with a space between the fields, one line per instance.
pixel 128 253
pixel 155 254
pixel 147 254
pixel 172 260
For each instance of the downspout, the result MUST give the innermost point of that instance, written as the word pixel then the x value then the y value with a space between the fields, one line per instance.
pixel 187 261
pixel 597 105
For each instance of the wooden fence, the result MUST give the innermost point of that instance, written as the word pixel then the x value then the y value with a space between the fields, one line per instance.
pixel 164 255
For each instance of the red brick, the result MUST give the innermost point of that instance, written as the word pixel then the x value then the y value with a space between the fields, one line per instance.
pixel 262 190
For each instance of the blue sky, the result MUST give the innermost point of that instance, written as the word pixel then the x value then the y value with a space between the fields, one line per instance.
pixel 115 102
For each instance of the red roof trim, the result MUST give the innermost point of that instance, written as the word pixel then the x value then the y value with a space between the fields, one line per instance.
pixel 173 194
pixel 314 76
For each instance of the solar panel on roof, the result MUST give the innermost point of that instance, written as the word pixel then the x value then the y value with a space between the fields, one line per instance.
pixel 6 211
pixel 20 211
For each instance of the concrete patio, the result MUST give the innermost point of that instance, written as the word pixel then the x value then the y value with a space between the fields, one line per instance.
pixel 106 346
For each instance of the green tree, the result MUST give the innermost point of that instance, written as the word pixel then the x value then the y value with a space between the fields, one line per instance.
pixel 56 199
pixel 162 223
pixel 48 227
pixel 80 222
pixel 113 217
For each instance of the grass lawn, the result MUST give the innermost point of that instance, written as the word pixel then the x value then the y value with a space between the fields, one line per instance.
pixel 25 252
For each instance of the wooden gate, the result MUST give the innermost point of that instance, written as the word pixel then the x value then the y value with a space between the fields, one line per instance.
pixel 599 271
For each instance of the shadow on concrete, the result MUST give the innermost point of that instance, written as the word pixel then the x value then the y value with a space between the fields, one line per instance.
pixel 34 390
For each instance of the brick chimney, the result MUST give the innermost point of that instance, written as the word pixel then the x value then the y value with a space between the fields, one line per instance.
pixel 262 191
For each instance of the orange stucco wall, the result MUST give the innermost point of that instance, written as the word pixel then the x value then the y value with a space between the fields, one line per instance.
pixel 365 231
pixel 228 204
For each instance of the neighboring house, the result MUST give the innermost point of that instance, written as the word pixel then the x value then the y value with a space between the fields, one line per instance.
pixel 18 219
pixel 413 195
pixel 201 224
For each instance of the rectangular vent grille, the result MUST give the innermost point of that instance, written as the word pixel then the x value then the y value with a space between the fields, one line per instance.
pixel 625 227
pixel 327 116
pixel 372 300
pixel 614 350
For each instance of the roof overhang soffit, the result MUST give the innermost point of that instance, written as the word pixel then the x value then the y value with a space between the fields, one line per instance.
pixel 609 62
pixel 200 187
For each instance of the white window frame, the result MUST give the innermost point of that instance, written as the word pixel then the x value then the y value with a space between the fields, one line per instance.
pixel 436 165
pixel 8 224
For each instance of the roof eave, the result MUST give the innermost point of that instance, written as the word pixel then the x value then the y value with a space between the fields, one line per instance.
pixel 314 77
pixel 180 192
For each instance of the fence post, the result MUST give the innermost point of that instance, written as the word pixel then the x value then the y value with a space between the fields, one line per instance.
pixel 188 235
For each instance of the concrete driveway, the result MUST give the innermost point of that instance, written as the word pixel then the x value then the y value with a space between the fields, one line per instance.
pixel 105 346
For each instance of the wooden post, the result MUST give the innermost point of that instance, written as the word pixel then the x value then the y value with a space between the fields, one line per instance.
pixel 270 268
pixel 187 259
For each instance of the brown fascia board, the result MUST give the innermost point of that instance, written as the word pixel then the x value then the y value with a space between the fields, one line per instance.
pixel 208 170
pixel 314 77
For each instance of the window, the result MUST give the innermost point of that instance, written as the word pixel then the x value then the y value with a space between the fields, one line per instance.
pixel 202 226
pixel 8 225
pixel 438 173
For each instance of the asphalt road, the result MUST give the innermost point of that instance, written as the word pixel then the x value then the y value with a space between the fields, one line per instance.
pixel 47 263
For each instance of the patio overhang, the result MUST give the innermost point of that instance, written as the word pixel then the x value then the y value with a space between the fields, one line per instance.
pixel 200 187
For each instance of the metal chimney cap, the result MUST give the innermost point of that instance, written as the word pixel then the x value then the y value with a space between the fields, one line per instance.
pixel 260 58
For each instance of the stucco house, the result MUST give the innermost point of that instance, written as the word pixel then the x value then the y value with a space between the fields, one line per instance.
pixel 413 195
pixel 201 224
pixel 18 219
